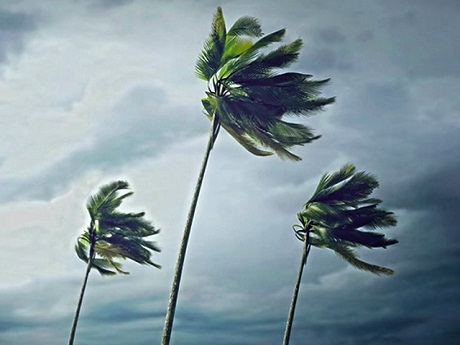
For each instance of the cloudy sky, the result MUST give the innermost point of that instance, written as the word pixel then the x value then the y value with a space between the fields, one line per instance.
pixel 96 90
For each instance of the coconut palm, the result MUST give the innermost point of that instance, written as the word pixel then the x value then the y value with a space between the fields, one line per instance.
pixel 333 218
pixel 249 98
pixel 112 235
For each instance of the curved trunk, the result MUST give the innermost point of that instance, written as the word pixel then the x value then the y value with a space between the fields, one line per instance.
pixel 185 237
pixel 80 301
pixel 303 262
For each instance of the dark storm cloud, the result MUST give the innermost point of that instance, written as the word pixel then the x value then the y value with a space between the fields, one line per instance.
pixel 422 37
pixel 140 126
pixel 14 27
pixel 124 310
pixel 7 324
pixel 326 52
pixel 113 3
pixel 326 59
pixel 42 318
pixel 417 305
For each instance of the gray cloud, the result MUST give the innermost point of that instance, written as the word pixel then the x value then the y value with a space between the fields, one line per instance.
pixel 14 28
pixel 138 127
pixel 422 40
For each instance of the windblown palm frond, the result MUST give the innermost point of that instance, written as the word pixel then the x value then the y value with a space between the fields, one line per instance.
pixel 338 209
pixel 247 93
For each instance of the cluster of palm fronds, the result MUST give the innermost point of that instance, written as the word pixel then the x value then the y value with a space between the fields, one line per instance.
pixel 248 95
pixel 337 210
pixel 113 234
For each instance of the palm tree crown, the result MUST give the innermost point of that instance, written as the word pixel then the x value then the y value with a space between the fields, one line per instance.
pixel 113 234
pixel 337 210
pixel 248 96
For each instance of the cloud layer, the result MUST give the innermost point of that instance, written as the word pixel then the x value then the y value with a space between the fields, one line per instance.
pixel 96 90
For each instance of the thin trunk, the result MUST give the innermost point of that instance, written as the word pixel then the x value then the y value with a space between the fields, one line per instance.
pixel 80 301
pixel 303 262
pixel 185 237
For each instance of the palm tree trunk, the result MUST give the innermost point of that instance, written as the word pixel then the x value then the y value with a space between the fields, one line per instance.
pixel 185 237
pixel 303 262
pixel 80 301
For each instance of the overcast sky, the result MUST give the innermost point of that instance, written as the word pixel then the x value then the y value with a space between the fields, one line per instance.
pixel 96 90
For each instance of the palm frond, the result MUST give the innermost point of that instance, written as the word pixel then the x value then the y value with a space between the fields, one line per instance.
pixel 129 247
pixel 265 41
pixel 107 198
pixel 329 180
pixel 359 186
pixel 81 248
pixel 209 59
pixel 349 255
pixel 245 140
pixel 266 140
pixel 363 238
pixel 234 47
pixel 291 134
pixel 280 80
pixel 262 66
pixel 246 26
pixel 322 214
pixel 370 216
pixel 130 222
pixel 104 267
pixel 151 245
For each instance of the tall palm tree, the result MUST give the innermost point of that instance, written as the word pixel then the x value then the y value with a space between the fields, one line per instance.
pixel 333 218
pixel 249 98
pixel 112 235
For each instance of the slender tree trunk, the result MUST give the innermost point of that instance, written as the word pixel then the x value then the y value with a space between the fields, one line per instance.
pixel 185 237
pixel 80 301
pixel 303 262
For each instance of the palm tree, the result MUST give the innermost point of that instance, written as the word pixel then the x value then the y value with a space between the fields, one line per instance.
pixel 112 235
pixel 248 97
pixel 332 219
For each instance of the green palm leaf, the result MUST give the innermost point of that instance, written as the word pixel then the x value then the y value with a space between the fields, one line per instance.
pixel 209 59
pixel 104 267
pixel 107 198
pixel 350 256
pixel 245 26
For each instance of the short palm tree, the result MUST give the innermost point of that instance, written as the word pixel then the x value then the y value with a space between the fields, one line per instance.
pixel 112 235
pixel 249 98
pixel 333 218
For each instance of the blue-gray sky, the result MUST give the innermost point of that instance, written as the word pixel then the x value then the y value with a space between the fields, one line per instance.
pixel 94 90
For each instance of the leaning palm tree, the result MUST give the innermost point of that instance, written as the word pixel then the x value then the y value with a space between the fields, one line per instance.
pixel 248 97
pixel 112 235
pixel 333 218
